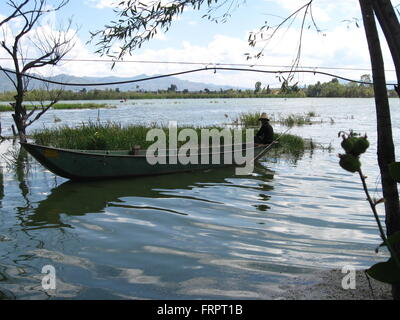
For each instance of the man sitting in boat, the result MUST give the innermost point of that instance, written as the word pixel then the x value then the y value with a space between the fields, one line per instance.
pixel 266 133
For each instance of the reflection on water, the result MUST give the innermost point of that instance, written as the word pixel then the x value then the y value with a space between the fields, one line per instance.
pixel 134 220
pixel 208 234
pixel 79 198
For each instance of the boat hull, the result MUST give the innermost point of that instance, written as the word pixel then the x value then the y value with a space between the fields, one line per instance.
pixel 86 165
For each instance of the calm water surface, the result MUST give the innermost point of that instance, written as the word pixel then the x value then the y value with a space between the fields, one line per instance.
pixel 195 235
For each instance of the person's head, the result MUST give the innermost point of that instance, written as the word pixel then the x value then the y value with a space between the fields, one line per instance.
pixel 263 118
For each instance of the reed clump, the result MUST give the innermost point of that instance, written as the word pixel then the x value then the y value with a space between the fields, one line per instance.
pixel 115 136
pixel 104 136
pixel 251 119
pixel 295 120
pixel 92 136
pixel 248 119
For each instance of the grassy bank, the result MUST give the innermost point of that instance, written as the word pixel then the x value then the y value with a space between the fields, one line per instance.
pixel 114 136
pixel 62 106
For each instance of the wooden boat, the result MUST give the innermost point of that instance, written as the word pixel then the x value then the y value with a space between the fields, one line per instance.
pixel 107 164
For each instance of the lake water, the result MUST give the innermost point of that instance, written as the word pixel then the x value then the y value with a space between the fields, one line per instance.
pixel 208 234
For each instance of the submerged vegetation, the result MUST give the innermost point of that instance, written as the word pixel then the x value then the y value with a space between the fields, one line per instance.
pixel 114 136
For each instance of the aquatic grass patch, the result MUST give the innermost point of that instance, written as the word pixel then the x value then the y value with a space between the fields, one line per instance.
pixel 248 119
pixel 5 108
pixel 103 136
pixel 8 108
pixel 17 161
pixel 291 144
pixel 62 106
pixel 93 136
pixel 115 136
pixel 294 120
pixel 251 119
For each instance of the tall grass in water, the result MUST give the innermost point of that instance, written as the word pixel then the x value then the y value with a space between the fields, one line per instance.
pixel 93 136
pixel 291 144
pixel 62 106
pixel 295 120
pixel 251 119
pixel 114 136
pixel 102 136
pixel 248 119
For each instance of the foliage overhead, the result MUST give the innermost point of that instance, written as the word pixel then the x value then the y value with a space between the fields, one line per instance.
pixel 139 21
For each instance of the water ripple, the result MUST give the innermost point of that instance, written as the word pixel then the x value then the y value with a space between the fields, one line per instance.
pixel 208 234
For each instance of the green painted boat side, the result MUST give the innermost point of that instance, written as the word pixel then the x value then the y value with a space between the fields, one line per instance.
pixel 95 165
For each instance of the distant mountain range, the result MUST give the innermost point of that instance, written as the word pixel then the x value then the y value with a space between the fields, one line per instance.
pixel 152 85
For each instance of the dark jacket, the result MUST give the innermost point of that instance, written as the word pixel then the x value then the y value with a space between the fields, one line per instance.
pixel 265 135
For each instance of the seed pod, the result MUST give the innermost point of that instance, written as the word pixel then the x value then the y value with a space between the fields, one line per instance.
pixel 348 144
pixel 360 146
pixel 349 162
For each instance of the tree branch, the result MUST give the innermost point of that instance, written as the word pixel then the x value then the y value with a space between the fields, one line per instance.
pixel 15 13
pixel 52 48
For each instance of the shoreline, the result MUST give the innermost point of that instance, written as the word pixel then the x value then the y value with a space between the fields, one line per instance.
pixel 319 285
pixel 326 285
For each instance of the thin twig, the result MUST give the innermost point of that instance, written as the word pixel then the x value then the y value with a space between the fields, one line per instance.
pixel 370 286
pixel 373 205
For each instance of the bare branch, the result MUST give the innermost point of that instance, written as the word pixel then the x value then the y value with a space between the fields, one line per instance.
pixel 51 49
pixel 42 112
pixel 15 13
pixel 267 32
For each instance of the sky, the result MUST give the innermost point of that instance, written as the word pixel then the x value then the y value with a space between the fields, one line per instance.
pixel 339 45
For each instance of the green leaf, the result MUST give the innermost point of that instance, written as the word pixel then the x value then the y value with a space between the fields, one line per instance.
pixel 394 170
pixel 386 272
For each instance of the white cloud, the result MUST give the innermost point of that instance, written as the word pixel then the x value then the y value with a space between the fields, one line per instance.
pixel 101 4
pixel 341 47
pixel 193 23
